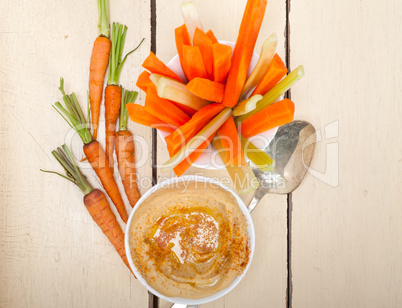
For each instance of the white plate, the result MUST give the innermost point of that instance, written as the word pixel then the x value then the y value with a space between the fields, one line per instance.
pixel 210 159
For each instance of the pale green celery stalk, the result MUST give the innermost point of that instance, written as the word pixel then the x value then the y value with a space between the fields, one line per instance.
pixel 246 106
pixel 260 159
pixel 198 139
pixel 191 19
pixel 272 95
pixel 242 176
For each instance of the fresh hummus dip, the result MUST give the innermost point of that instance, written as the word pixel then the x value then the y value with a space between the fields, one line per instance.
pixel 189 239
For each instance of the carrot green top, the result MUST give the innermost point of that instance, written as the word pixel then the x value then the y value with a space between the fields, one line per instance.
pixel 103 25
pixel 74 175
pixel 73 114
pixel 115 61
pixel 127 97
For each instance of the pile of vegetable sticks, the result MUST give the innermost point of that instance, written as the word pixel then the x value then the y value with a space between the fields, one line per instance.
pixel 106 54
pixel 216 101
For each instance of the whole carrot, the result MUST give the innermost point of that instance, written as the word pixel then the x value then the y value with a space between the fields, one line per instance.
pixel 95 201
pixel 92 148
pixel 98 64
pixel 113 90
pixel 125 150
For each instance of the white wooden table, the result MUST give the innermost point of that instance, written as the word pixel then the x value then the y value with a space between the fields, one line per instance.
pixel 334 242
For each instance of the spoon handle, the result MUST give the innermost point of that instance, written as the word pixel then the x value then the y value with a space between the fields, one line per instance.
pixel 253 203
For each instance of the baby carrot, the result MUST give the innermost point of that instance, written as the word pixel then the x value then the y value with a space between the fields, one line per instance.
pixel 98 64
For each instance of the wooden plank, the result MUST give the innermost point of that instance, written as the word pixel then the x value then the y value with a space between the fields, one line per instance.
pixel 347 218
pixel 266 280
pixel 52 254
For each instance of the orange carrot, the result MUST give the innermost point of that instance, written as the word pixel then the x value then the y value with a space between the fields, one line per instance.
pixel 113 90
pixel 100 211
pixel 98 64
pixel 272 116
pixel 276 71
pixel 182 38
pixel 193 63
pixel 205 44
pixel 143 81
pixel 222 55
pixel 187 110
pixel 231 144
pixel 187 131
pixel 154 65
pixel 125 150
pixel 249 29
pixel 189 160
pixel 206 89
pixel 212 36
pixel 112 107
pixel 95 201
pixel 93 150
pixel 100 163
pixel 138 115
pixel 164 109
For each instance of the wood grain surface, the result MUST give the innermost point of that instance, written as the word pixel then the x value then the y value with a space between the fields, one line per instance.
pixel 347 217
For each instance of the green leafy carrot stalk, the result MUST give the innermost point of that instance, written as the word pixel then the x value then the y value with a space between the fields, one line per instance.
pixel 242 176
pixel 95 201
pixel 125 150
pixel 72 113
pixel 198 139
pixel 260 159
pixel 113 90
pixel 272 95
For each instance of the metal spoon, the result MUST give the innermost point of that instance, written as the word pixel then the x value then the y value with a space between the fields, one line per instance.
pixel 292 148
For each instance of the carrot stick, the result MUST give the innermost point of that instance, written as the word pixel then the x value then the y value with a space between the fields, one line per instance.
pixel 249 29
pixel 113 90
pixel 125 150
pixel 182 38
pixel 186 109
pixel 138 115
pixel 154 65
pixel 95 201
pixel 184 133
pixel 98 64
pixel 276 71
pixel 193 63
pixel 212 36
pixel 143 81
pixel 222 55
pixel 189 160
pixel 164 109
pixel 92 149
pixel 206 89
pixel 272 116
pixel 230 143
pixel 205 44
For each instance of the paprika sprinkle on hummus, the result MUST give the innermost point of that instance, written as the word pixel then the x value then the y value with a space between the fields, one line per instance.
pixel 189 239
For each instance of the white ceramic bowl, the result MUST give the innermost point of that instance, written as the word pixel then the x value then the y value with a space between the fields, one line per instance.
pixel 210 159
pixel 179 300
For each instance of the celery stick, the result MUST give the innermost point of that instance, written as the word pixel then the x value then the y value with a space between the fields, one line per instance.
pixel 191 19
pixel 198 139
pixel 247 105
pixel 272 95
pixel 242 176
pixel 265 60
pixel 155 78
pixel 176 91
pixel 260 159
